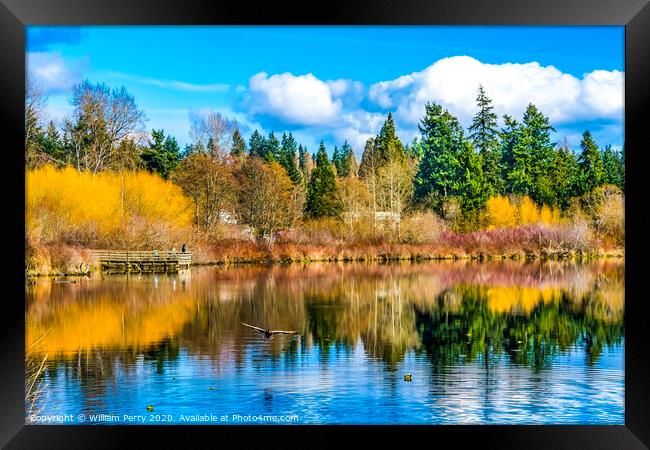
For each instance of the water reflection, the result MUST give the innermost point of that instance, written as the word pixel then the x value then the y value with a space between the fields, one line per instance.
pixel 486 342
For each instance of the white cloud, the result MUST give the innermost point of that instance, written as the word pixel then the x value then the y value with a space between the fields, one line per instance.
pixel 299 100
pixel 453 82
pixel 173 84
pixel 53 73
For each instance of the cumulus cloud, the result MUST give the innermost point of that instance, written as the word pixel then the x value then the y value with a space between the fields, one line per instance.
pixel 453 82
pixel 54 74
pixel 299 100
pixel 345 109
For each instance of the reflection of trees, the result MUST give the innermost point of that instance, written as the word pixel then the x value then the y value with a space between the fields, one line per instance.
pixel 526 311
pixel 473 330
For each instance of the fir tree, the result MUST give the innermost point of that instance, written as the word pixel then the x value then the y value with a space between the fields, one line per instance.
pixel 442 139
pixel 473 188
pixel 238 147
pixel 613 167
pixel 53 145
pixel 256 144
pixel 322 199
pixel 388 144
pixel 591 164
pixel 484 135
pixel 288 158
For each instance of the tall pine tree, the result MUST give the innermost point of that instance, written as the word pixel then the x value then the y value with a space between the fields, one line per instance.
pixel 322 199
pixel 442 140
pixel 238 147
pixel 485 137
pixel 591 164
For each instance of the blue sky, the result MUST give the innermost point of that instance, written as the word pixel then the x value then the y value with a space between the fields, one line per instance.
pixel 337 83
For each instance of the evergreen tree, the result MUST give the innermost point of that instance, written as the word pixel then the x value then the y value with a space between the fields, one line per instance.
pixel 52 145
pixel 388 144
pixel 484 135
pixel 288 158
pixel 591 164
pixel 473 187
pixel 337 160
pixel 370 160
pixel 613 166
pixel 348 161
pixel 442 139
pixel 564 176
pixel 162 155
pixel 238 147
pixel 256 144
pixel 536 136
pixel 272 149
pixel 211 147
pixel 322 199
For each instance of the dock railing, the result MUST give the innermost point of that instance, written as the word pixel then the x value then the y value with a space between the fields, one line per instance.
pixel 142 261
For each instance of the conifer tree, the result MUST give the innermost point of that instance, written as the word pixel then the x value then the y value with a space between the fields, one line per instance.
pixel 288 158
pixel 591 164
pixel 473 187
pixel 388 144
pixel 485 136
pixel 613 167
pixel 238 147
pixel 256 144
pixel 322 199
pixel 53 145
pixel 442 138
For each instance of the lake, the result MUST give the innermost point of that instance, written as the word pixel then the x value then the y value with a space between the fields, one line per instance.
pixel 508 342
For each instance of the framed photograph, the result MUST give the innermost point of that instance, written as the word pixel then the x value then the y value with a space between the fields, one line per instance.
pixel 261 224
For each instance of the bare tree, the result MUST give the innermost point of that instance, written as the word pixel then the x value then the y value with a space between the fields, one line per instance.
pixel 35 101
pixel 214 133
pixel 102 119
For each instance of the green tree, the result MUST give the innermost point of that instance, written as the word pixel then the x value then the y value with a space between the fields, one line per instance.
pixel 322 199
pixel 388 144
pixel 238 146
pixel 614 167
pixel 485 137
pixel 473 186
pixel 162 155
pixel 288 159
pixel 591 164
pixel 272 149
pixel 565 176
pixel 52 145
pixel 257 144
pixel 442 140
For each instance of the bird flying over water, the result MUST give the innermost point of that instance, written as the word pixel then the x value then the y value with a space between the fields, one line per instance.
pixel 268 333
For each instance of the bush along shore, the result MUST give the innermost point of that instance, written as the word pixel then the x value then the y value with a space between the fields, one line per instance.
pixel 102 182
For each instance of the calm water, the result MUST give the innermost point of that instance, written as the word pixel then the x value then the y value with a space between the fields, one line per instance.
pixel 485 343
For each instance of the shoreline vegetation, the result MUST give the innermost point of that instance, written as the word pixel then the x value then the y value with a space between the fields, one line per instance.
pixel 100 181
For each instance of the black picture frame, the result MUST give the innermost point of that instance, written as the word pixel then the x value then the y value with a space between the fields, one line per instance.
pixel 633 14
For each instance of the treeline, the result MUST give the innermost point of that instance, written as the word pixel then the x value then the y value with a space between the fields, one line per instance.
pixel 271 183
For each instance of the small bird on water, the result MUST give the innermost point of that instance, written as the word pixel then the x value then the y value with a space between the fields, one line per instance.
pixel 268 333
pixel 408 377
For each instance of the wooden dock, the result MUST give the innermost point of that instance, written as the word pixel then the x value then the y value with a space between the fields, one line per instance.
pixel 142 261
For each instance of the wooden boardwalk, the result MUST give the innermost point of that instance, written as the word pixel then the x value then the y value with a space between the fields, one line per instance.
pixel 142 261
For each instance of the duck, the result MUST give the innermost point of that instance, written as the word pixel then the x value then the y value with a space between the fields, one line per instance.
pixel 268 333
pixel 150 408
pixel 408 377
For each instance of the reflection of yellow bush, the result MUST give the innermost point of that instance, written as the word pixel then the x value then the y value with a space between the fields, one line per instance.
pixel 504 212
pixel 83 326
pixel 64 202
pixel 523 299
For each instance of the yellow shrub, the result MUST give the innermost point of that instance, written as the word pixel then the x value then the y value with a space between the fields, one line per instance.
pixel 501 212
pixel 528 211
pixel 63 204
